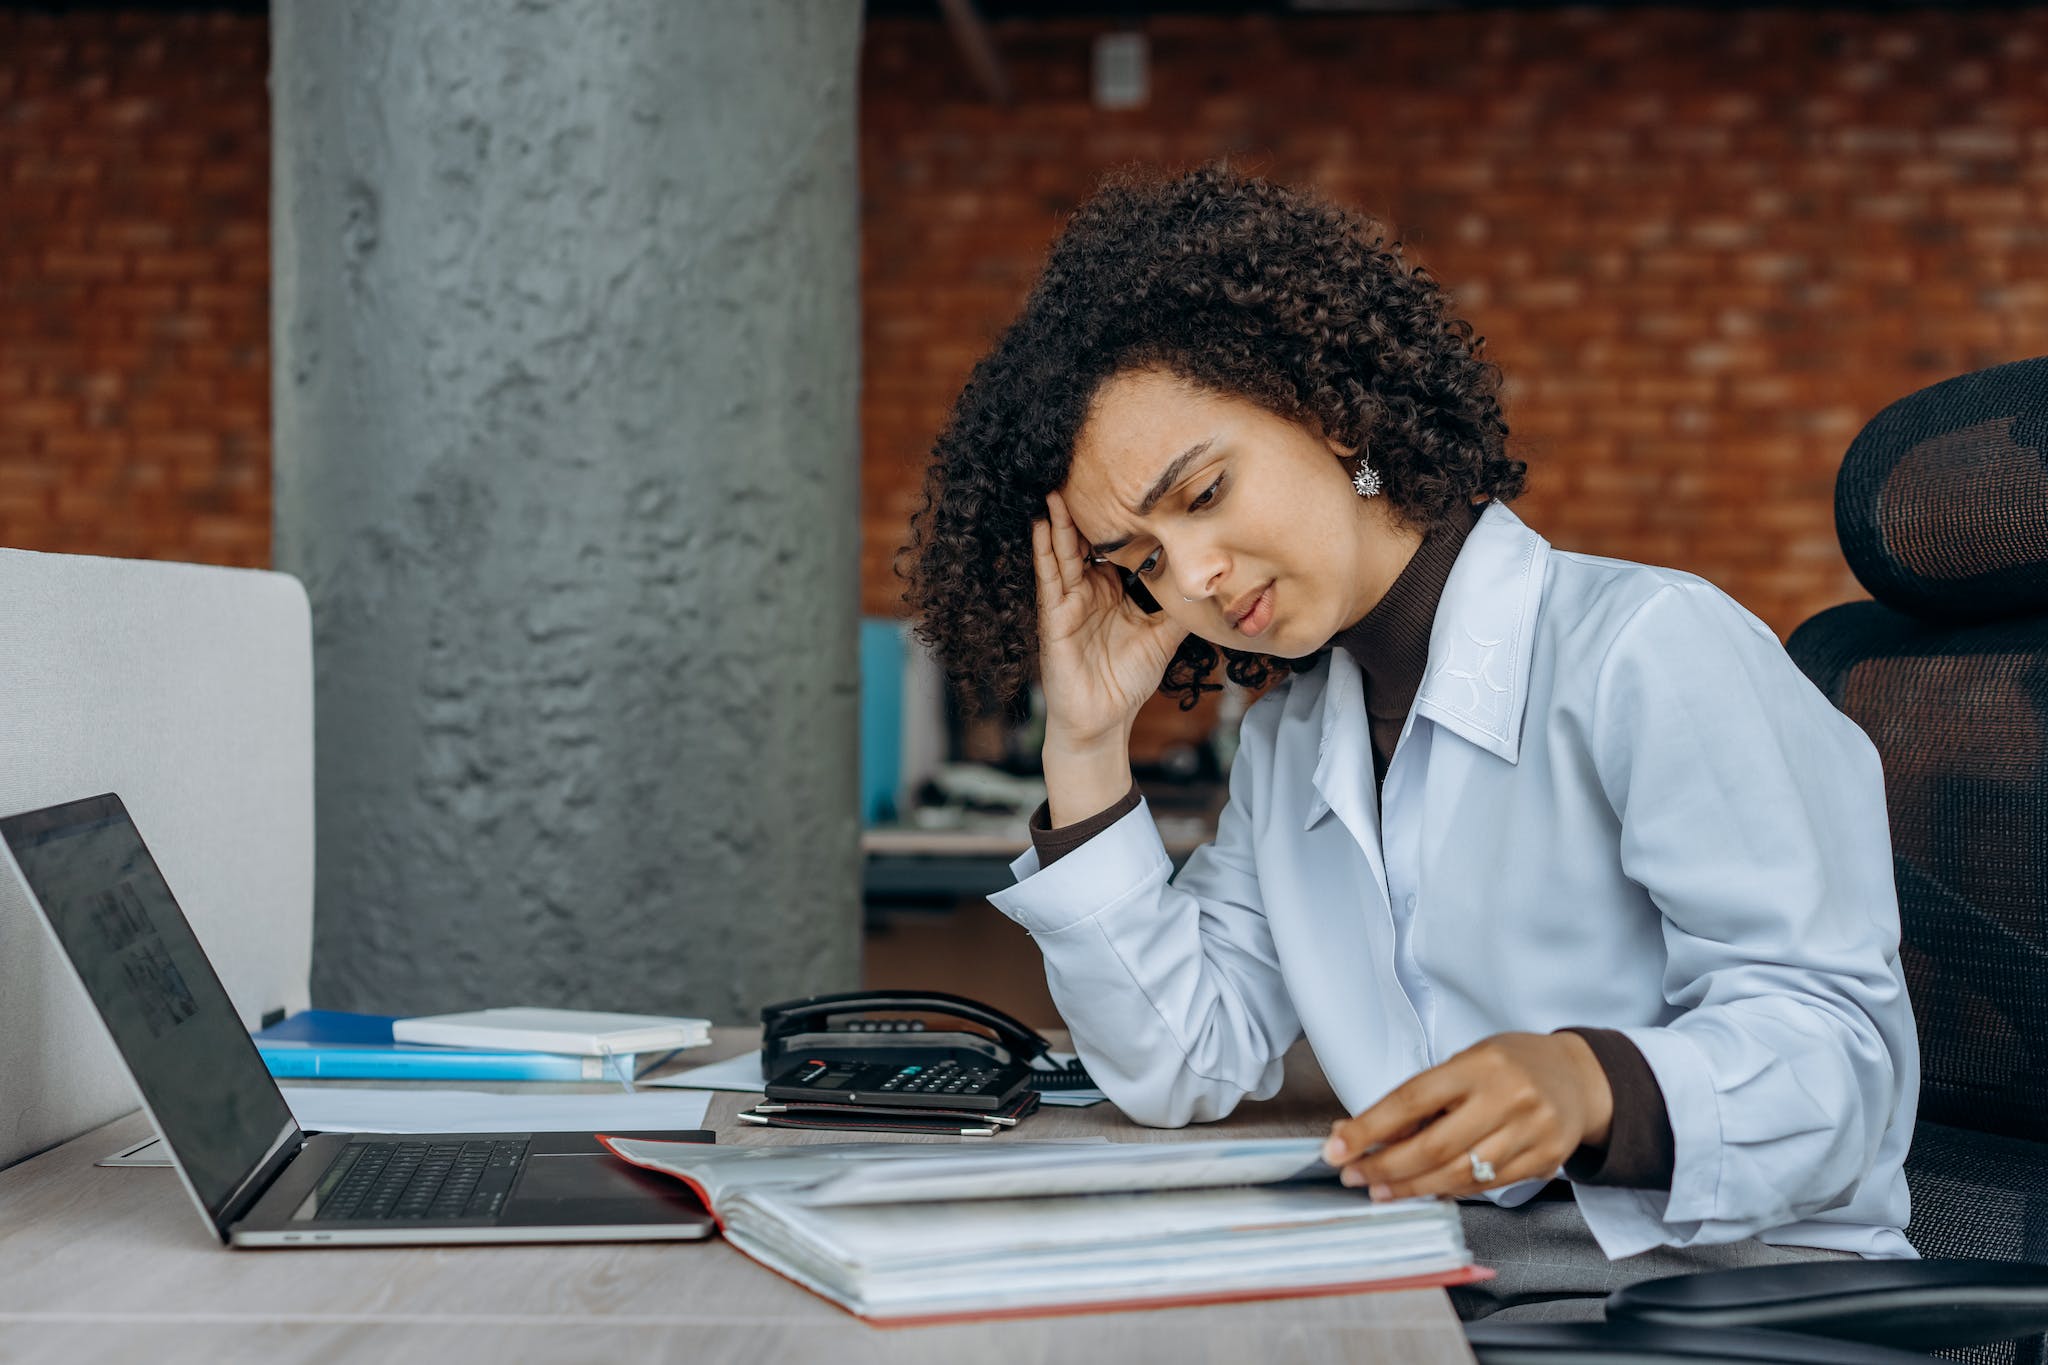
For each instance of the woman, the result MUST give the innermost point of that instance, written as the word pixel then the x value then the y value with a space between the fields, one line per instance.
pixel 1557 861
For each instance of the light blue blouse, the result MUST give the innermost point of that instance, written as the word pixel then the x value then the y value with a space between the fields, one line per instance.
pixel 1616 802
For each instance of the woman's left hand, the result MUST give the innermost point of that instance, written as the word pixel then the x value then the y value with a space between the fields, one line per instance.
pixel 1521 1102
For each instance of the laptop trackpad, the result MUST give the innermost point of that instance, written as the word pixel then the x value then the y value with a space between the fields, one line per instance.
pixel 577 1189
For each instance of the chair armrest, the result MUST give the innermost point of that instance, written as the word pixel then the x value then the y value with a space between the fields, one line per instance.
pixel 1912 1305
pixel 1648 1343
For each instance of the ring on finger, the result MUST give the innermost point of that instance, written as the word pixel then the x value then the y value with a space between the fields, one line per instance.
pixel 1482 1170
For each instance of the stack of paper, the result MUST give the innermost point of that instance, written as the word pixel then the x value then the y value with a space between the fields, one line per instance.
pixel 583 1033
pixel 912 1233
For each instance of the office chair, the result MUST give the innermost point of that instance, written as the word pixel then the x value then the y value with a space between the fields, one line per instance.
pixel 1942 510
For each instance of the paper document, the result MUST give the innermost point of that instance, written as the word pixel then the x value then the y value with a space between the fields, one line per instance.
pixel 343 1109
pixel 892 1173
pixel 743 1073
pixel 909 1233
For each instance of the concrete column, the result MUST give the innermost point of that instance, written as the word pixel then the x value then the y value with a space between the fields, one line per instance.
pixel 565 372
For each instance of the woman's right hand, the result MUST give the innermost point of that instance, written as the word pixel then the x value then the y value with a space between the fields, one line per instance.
pixel 1100 656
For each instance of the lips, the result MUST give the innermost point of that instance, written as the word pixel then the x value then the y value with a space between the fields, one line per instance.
pixel 1253 612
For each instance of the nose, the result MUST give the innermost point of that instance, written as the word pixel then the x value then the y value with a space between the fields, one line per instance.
pixel 1199 567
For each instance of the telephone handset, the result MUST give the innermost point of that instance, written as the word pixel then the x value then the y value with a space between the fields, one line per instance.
pixel 1135 589
pixel 1134 586
pixel 834 1049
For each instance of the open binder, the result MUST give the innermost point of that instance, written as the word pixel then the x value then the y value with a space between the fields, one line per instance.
pixel 905 1234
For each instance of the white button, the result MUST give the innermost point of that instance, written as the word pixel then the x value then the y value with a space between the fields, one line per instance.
pixel 1411 902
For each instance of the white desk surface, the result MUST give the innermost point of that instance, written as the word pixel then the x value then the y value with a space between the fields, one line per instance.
pixel 116 1266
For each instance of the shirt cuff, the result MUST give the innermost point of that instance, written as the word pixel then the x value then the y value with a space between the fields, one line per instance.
pixel 1123 861
pixel 1640 1153
pixel 1055 844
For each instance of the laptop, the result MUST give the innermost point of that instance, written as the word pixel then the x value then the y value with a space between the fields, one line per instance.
pixel 260 1180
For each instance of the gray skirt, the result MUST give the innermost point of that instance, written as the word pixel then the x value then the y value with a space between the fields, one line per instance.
pixel 1549 1268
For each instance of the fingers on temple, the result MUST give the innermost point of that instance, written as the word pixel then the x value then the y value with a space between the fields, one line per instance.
pixel 1066 542
pixel 1043 563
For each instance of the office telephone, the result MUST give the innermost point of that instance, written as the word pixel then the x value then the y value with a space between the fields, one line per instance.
pixel 864 1048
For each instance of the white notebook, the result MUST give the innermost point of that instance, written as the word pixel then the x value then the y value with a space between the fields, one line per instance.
pixel 581 1033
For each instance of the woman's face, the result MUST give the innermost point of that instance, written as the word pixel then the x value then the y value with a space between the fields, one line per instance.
pixel 1213 498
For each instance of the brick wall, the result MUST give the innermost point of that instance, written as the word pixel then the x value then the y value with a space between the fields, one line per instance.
pixel 1704 246
pixel 134 286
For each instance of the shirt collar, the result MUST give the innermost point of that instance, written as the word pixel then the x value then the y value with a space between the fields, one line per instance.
pixel 1391 642
pixel 1476 682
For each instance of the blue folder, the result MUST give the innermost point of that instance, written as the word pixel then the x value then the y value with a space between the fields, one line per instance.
pixel 339 1045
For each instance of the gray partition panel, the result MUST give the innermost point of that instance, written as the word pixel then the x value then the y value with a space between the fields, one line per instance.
pixel 189 691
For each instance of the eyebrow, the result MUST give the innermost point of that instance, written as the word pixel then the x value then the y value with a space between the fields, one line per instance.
pixel 1168 477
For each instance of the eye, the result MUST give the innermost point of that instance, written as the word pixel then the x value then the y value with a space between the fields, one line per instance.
pixel 1149 567
pixel 1207 495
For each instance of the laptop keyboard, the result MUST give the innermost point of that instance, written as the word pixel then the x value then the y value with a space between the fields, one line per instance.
pixel 407 1181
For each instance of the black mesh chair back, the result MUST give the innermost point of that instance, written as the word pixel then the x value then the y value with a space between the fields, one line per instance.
pixel 1942 510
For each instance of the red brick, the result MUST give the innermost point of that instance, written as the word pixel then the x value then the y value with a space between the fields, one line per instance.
pixel 20 514
pixel 120 236
pixel 76 512
pixel 55 170
pixel 104 449
pixel 42 414
pixel 176 265
pixel 67 264
pixel 226 298
pixel 128 301
pixel 28 476
pixel 191 452
pixel 178 326
pixel 1857 214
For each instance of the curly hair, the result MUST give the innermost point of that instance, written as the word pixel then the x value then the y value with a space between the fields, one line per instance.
pixel 1241 288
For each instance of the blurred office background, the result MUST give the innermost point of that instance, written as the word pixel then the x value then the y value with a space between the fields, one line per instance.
pixel 1705 243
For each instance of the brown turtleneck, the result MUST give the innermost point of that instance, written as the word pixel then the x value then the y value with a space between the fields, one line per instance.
pixel 1391 642
pixel 1391 645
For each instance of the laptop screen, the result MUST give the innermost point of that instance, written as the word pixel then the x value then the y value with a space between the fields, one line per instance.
pixel 214 1103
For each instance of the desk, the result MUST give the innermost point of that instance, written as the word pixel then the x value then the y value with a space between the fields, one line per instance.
pixel 905 865
pixel 115 1266
pixel 969 855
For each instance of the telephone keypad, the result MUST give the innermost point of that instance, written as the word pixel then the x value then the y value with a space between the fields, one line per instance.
pixel 938 1078
pixel 938 1082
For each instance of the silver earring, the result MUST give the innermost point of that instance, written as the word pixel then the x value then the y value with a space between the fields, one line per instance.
pixel 1366 480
